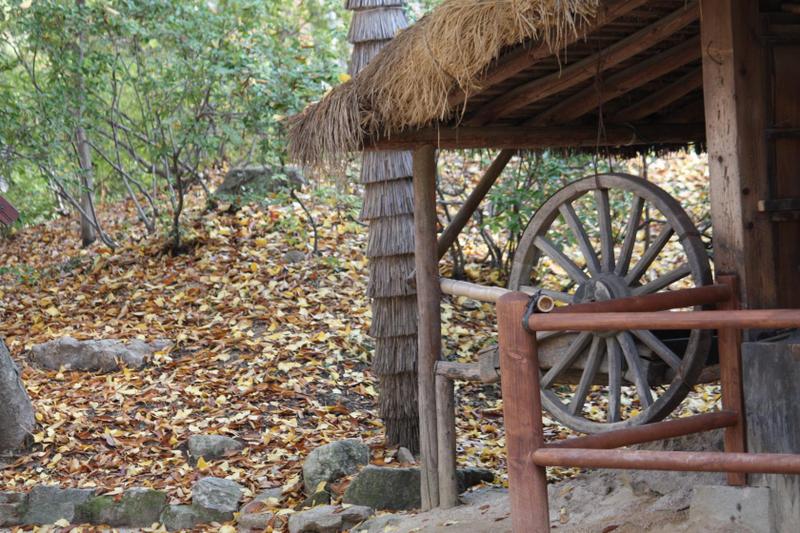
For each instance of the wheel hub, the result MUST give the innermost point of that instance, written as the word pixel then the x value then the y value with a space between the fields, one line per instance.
pixel 600 289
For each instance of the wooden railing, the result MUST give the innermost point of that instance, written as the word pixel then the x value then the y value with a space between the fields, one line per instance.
pixel 529 454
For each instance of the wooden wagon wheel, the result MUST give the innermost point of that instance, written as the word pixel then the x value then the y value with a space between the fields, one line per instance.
pixel 590 241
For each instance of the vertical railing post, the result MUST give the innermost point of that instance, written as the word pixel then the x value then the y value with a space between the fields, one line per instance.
pixel 446 440
pixel 522 413
pixel 730 370
pixel 429 334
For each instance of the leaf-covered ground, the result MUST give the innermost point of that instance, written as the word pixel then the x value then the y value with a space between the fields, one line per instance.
pixel 269 351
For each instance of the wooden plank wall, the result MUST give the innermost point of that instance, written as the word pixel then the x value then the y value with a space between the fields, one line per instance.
pixel 786 114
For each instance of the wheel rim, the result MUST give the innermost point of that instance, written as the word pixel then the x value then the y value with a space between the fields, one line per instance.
pixel 589 235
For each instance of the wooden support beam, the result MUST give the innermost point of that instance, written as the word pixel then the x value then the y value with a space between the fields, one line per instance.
pixel 451 232
pixel 735 100
pixel 662 98
pixel 429 334
pixel 620 83
pixel 525 56
pixel 522 137
pixel 587 68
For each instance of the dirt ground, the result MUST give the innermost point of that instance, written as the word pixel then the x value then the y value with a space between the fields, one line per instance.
pixel 599 501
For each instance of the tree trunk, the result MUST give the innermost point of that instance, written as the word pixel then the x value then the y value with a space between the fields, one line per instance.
pixel 88 235
pixel 389 209
pixel 16 412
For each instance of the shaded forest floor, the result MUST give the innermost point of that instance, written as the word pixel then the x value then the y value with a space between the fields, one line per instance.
pixel 269 350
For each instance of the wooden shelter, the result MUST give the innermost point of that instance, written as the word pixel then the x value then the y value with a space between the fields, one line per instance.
pixel 620 76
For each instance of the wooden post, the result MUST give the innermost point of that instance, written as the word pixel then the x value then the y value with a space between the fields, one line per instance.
pixel 522 414
pixel 735 101
pixel 429 334
pixel 730 376
pixel 446 435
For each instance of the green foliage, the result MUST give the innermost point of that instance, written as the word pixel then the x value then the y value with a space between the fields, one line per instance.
pixel 165 89
pixel 516 196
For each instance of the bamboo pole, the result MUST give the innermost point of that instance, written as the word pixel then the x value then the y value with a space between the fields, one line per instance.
pixel 429 336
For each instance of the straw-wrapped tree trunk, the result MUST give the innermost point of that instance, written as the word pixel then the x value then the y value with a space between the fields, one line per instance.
pixel 388 207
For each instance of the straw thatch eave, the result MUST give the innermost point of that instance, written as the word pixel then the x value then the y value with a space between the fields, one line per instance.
pixel 408 82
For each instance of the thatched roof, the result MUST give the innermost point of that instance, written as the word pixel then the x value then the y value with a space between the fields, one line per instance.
pixel 410 83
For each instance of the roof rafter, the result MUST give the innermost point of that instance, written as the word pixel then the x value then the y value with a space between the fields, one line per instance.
pixel 628 47
pixel 620 83
pixel 662 98
pixel 522 57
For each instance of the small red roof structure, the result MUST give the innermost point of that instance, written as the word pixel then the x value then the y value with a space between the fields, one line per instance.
pixel 8 214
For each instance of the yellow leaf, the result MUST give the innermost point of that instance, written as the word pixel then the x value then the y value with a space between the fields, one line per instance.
pixel 227 529
pixel 52 311
pixel 320 486
pixel 344 77
pixel 62 522
pixel 202 464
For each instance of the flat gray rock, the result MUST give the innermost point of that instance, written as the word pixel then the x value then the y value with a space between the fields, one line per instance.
pixel 328 519
pixel 48 504
pixel 217 494
pixel 398 489
pixel 94 355
pixel 212 446
pixel 333 461
pixel 384 488
pixel 12 507
pixel 138 507
pixel 175 517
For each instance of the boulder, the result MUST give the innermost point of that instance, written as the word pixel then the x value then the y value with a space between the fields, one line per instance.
pixel 333 461
pixel 94 355
pixel 212 446
pixel 259 179
pixel 17 418
pixel 49 504
pixel 12 507
pixel 398 489
pixel 176 517
pixel 217 495
pixel 138 507
pixel 328 519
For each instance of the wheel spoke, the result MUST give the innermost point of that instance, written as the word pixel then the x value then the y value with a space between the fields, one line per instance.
pixel 573 270
pixel 659 348
pixel 592 262
pixel 663 281
pixel 630 237
pixel 649 255
pixel 587 377
pixel 570 356
pixel 614 379
pixel 555 295
pixel 606 233
pixel 635 365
